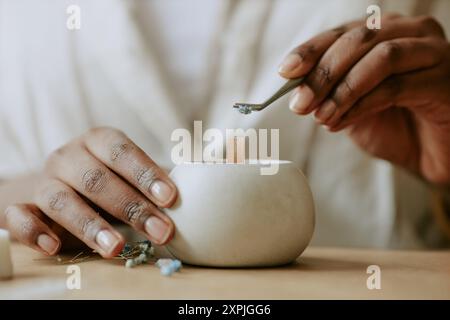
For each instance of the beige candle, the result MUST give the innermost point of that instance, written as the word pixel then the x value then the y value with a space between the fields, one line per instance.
pixel 6 269
pixel 235 150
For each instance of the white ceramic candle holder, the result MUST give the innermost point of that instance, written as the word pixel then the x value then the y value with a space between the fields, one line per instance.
pixel 229 215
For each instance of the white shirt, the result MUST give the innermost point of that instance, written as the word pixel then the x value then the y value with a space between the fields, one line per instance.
pixel 183 33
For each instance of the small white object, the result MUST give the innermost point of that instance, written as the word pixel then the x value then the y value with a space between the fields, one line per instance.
pixel 177 264
pixel 163 262
pixel 141 258
pixel 6 269
pixel 130 263
pixel 166 271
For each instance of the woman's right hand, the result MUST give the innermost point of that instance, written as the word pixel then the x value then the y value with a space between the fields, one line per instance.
pixel 101 169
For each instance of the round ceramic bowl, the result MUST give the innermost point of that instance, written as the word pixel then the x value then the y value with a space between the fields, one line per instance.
pixel 230 215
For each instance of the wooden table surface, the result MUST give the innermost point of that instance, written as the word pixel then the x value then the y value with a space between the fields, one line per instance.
pixel 320 273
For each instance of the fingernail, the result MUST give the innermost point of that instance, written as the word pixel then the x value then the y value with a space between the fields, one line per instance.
pixel 326 111
pixel 157 229
pixel 161 191
pixel 106 240
pixel 301 99
pixel 47 243
pixel 289 63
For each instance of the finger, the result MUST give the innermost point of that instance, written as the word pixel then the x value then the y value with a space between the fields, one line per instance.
pixel 104 188
pixel 25 223
pixel 387 58
pixel 120 154
pixel 303 58
pixel 345 52
pixel 397 90
pixel 62 204
pixel 376 101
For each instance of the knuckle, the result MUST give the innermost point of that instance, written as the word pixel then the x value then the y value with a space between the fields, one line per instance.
pixel 94 180
pixel 55 157
pixel 363 34
pixel 50 195
pixel 430 24
pixel 118 150
pixel 134 212
pixel 59 152
pixel 305 51
pixel 94 131
pixel 145 176
pixel 23 227
pixel 389 51
pixel 321 76
pixel 28 229
pixel 116 141
pixel 56 201
pixel 339 31
pixel 101 130
pixel 105 132
pixel 88 227
pixel 350 35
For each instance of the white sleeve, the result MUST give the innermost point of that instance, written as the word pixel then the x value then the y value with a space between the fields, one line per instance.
pixel 20 142
pixel 12 159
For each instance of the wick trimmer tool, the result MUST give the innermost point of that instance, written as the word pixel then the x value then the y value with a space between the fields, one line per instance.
pixel 247 108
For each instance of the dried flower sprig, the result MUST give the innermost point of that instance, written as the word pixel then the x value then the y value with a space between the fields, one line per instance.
pixel 134 253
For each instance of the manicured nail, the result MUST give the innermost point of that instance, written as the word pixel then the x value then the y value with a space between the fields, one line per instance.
pixel 161 191
pixel 47 243
pixel 157 229
pixel 301 99
pixel 294 100
pixel 289 63
pixel 107 240
pixel 326 111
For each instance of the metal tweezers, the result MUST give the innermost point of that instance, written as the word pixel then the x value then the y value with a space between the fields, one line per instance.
pixel 247 108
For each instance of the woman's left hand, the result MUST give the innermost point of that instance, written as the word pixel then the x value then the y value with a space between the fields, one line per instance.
pixel 390 88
